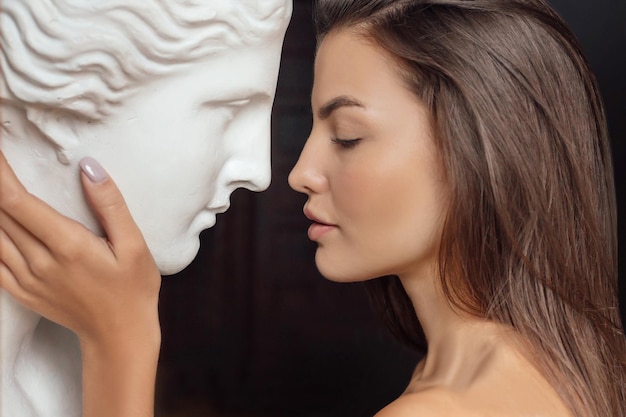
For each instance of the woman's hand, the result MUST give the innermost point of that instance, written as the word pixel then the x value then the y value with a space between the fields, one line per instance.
pixel 104 289
pixel 95 286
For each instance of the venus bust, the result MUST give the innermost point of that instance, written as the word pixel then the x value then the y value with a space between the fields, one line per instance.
pixel 173 97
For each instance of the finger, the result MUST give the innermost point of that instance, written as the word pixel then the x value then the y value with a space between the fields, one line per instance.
pixel 9 283
pixel 16 273
pixel 30 212
pixel 24 289
pixel 20 249
pixel 108 204
pixel 8 181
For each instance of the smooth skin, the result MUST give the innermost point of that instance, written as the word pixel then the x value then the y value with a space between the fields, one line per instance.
pixel 376 195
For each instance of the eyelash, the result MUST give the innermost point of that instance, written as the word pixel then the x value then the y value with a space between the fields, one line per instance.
pixel 346 143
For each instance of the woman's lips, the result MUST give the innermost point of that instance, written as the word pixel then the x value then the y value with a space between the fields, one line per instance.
pixel 319 228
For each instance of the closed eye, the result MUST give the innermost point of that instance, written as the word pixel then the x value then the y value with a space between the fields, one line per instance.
pixel 233 104
pixel 238 103
pixel 228 108
pixel 346 143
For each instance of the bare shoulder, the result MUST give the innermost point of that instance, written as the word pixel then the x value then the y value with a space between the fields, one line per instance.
pixel 432 402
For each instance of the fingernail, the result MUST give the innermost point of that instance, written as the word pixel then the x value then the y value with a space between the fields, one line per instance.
pixel 92 169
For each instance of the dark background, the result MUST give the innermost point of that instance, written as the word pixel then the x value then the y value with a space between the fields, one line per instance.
pixel 251 328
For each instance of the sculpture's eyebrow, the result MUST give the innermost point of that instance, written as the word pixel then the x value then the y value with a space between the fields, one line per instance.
pixel 337 102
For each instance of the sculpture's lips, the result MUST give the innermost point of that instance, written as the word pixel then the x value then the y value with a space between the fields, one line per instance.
pixel 219 208
pixel 204 220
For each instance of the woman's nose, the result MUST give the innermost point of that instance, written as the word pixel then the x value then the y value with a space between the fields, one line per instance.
pixel 307 175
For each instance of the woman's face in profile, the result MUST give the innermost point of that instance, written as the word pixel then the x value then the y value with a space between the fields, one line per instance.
pixel 182 144
pixel 370 167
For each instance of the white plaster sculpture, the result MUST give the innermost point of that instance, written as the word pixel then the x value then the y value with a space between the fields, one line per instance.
pixel 173 97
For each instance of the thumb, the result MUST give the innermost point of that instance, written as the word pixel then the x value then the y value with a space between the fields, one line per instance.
pixel 108 204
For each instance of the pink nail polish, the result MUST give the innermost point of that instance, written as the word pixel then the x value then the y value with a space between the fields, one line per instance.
pixel 92 169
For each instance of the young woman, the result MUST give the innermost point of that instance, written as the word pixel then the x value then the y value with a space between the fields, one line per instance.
pixel 459 150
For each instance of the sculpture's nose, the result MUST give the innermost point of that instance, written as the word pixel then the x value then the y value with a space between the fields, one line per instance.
pixel 249 164
pixel 251 170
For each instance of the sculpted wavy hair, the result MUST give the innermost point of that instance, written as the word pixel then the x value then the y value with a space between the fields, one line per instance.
pixel 530 235
pixel 85 57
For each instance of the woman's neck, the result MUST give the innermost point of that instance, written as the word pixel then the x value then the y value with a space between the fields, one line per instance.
pixel 456 340
pixel 482 362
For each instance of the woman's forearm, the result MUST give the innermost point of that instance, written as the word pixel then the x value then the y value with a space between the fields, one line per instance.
pixel 119 378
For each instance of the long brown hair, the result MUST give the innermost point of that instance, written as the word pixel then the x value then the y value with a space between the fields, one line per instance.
pixel 530 238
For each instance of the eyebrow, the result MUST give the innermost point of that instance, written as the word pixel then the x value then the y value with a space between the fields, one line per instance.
pixel 337 102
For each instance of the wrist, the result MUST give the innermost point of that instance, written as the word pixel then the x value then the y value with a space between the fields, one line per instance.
pixel 126 329
pixel 123 344
pixel 119 374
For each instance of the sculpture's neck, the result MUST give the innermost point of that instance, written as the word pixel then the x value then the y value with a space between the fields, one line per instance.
pixel 16 325
pixel 40 366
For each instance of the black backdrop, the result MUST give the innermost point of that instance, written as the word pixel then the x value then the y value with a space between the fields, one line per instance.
pixel 251 329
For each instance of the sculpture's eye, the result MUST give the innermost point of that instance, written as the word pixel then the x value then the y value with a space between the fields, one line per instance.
pixel 240 102
pixel 233 107
pixel 226 109
pixel 233 103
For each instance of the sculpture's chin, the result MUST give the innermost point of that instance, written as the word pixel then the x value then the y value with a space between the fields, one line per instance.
pixel 171 260
pixel 170 269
